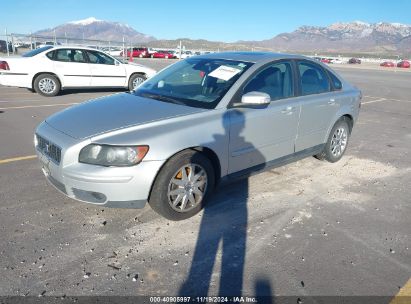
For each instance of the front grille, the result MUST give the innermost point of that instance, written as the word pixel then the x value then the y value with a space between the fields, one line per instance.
pixel 48 148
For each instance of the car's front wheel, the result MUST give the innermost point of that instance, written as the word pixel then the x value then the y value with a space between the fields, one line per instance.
pixel 47 85
pixel 337 141
pixel 182 186
pixel 135 81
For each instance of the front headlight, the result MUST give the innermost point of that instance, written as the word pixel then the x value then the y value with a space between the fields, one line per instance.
pixel 116 156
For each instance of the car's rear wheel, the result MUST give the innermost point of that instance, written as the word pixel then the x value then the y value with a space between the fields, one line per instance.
pixel 337 141
pixel 135 81
pixel 47 85
pixel 182 186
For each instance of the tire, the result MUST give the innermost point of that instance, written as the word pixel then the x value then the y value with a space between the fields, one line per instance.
pixel 176 199
pixel 135 80
pixel 337 142
pixel 47 85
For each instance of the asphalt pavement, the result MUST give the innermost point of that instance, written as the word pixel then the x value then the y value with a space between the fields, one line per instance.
pixel 308 228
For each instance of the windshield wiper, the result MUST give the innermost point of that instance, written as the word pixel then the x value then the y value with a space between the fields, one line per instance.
pixel 163 98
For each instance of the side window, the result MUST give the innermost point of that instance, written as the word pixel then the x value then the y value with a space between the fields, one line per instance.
pixel 336 82
pixel 313 79
pixel 275 80
pixel 69 55
pixel 99 58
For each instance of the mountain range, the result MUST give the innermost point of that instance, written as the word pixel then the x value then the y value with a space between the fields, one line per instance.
pixel 351 37
pixel 94 29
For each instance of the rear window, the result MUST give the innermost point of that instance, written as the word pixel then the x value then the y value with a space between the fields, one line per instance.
pixel 37 51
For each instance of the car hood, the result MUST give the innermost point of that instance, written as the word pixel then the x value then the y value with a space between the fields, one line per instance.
pixel 114 112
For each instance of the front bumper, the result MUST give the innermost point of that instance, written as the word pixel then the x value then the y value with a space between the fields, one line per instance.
pixel 118 187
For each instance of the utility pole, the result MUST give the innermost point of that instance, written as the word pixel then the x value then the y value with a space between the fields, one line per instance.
pixel 7 42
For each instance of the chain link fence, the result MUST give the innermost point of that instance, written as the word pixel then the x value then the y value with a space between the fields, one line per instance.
pixel 16 44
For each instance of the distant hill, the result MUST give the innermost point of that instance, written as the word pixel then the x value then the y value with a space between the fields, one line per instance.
pixel 350 37
pixel 95 29
pixel 339 38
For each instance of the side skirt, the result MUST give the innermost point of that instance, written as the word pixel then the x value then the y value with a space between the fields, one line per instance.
pixel 285 160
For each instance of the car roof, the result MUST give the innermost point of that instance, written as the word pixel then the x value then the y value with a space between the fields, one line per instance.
pixel 56 47
pixel 254 57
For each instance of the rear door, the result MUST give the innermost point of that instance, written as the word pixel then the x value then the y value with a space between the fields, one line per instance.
pixel 72 67
pixel 106 71
pixel 319 105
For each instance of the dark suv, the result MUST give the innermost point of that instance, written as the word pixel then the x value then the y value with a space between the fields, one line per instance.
pixel 3 47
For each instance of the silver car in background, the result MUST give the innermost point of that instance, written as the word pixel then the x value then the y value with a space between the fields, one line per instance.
pixel 197 123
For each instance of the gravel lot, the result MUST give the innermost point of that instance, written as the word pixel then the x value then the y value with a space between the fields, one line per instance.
pixel 308 228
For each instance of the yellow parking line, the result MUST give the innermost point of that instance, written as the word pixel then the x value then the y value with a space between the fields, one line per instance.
pixel 40 106
pixel 404 295
pixel 9 160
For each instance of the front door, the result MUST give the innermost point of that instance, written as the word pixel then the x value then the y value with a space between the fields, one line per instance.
pixel 260 135
pixel 72 67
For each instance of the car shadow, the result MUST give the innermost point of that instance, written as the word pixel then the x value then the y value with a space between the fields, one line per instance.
pixel 222 236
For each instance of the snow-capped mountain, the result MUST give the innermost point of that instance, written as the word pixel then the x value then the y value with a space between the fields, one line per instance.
pixel 354 36
pixel 92 28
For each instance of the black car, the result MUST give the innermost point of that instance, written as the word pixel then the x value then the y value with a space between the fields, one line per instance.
pixel 354 61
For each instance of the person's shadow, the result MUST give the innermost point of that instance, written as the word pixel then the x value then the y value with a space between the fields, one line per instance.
pixel 224 222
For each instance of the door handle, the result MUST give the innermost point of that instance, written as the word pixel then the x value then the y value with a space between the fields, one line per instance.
pixel 287 110
pixel 331 102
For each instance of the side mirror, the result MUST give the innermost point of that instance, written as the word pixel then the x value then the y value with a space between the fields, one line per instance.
pixel 256 98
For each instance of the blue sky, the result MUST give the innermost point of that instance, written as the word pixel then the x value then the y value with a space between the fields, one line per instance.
pixel 222 20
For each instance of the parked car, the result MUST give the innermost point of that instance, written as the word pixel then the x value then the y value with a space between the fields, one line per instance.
pixel 163 54
pixel 354 61
pixel 388 64
pixel 184 54
pixel 199 122
pixel 113 51
pixel 336 61
pixel 49 70
pixel 325 60
pixel 46 43
pixel 403 64
pixel 140 52
pixel 3 46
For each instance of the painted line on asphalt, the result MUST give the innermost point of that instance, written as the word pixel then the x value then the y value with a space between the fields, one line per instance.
pixel 40 106
pixel 9 160
pixel 404 295
pixel 387 98
pixel 18 101
pixel 372 101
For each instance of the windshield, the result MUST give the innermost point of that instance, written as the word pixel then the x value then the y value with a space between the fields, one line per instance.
pixel 195 82
pixel 37 51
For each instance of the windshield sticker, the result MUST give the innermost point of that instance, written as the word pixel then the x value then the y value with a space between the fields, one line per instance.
pixel 224 72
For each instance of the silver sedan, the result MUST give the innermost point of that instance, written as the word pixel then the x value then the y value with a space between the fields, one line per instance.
pixel 200 122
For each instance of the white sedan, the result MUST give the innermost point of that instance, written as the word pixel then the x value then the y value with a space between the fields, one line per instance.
pixel 50 69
